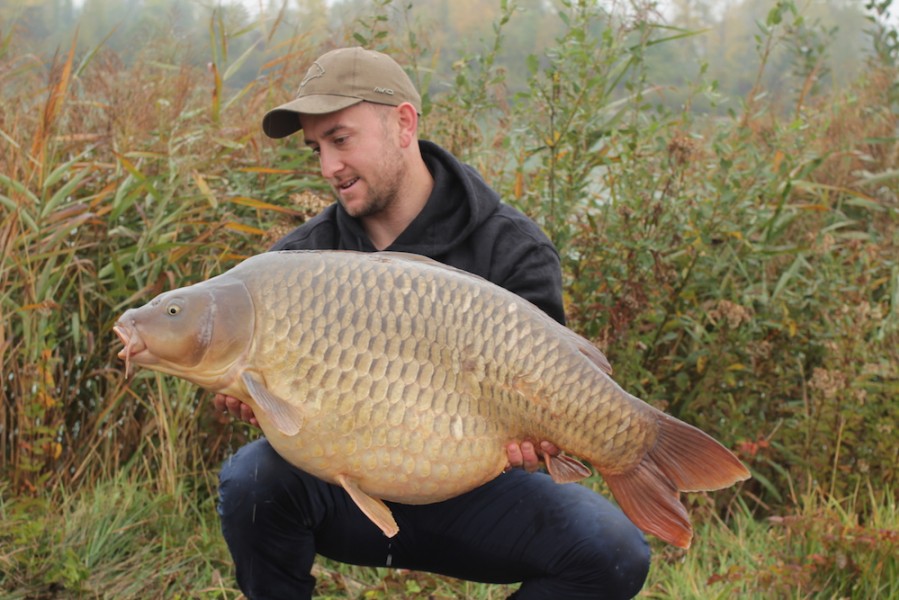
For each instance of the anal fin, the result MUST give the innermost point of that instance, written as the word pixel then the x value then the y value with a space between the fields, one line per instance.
pixel 565 469
pixel 283 415
pixel 373 508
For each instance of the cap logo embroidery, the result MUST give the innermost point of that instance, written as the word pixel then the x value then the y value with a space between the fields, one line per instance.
pixel 314 72
pixel 387 91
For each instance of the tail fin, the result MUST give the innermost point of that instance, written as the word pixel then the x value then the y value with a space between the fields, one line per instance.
pixel 684 459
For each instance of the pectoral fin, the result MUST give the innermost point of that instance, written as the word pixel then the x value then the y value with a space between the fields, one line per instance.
pixel 282 413
pixel 373 508
pixel 564 469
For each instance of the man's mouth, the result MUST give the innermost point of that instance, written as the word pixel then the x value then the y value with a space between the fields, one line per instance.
pixel 345 185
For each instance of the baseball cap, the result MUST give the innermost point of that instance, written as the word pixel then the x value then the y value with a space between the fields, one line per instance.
pixel 339 79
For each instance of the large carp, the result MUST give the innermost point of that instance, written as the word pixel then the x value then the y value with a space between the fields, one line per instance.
pixel 402 379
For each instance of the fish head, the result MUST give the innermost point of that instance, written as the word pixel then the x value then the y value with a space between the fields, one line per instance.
pixel 197 332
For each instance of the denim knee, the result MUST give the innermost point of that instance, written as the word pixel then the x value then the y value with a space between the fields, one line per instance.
pixel 265 520
pixel 633 567
pixel 255 474
pixel 253 462
pixel 623 557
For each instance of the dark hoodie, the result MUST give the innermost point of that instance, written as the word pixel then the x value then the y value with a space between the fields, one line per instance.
pixel 464 224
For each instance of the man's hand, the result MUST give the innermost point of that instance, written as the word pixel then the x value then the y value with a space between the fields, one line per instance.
pixel 526 456
pixel 234 407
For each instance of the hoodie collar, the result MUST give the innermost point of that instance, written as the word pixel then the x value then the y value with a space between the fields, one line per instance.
pixel 459 202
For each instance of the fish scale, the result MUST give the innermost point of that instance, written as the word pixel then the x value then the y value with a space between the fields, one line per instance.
pixel 395 350
pixel 462 312
pixel 402 379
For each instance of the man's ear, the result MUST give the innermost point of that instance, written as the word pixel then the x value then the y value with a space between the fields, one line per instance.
pixel 407 121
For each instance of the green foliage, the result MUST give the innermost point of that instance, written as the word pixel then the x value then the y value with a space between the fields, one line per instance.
pixel 119 539
pixel 819 550
pixel 717 278
pixel 125 539
pixel 885 38
pixel 737 271
pixel 582 93
pixel 110 193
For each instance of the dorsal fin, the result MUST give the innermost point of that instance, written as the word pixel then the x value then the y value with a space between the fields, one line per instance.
pixel 391 256
pixel 594 354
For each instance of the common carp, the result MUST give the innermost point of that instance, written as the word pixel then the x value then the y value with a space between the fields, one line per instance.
pixel 402 379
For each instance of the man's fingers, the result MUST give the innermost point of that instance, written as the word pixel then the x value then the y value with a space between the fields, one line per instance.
pixel 246 413
pixel 528 457
pixel 233 405
pixel 513 452
pixel 235 408
pixel 531 462
pixel 549 448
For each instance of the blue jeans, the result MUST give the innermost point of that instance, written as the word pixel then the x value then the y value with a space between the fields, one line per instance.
pixel 561 541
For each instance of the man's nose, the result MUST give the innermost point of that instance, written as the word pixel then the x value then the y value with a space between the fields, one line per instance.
pixel 330 163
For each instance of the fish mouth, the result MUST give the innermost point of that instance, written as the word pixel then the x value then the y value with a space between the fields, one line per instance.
pixel 134 345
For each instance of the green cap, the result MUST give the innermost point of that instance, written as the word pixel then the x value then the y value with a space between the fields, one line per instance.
pixel 339 79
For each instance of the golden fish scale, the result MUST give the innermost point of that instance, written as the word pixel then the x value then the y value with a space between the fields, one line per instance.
pixel 412 377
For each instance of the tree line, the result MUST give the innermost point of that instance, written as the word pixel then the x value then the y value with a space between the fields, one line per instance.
pixel 829 39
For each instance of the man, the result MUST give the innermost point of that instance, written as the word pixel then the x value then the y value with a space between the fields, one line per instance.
pixel 359 111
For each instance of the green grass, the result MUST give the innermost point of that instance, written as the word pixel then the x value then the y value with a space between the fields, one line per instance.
pixel 123 538
pixel 820 551
pixel 118 539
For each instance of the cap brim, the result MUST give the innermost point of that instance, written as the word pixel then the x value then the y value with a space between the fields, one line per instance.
pixel 285 119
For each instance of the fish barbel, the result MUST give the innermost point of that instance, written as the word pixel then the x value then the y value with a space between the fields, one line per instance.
pixel 402 379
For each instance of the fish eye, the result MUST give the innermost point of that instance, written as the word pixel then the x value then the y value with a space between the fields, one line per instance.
pixel 173 309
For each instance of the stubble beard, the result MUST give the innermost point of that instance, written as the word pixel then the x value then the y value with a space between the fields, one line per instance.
pixel 385 191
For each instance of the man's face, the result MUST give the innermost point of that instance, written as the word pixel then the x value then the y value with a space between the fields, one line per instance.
pixel 360 156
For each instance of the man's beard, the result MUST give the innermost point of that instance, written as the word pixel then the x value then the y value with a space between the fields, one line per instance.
pixel 385 192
